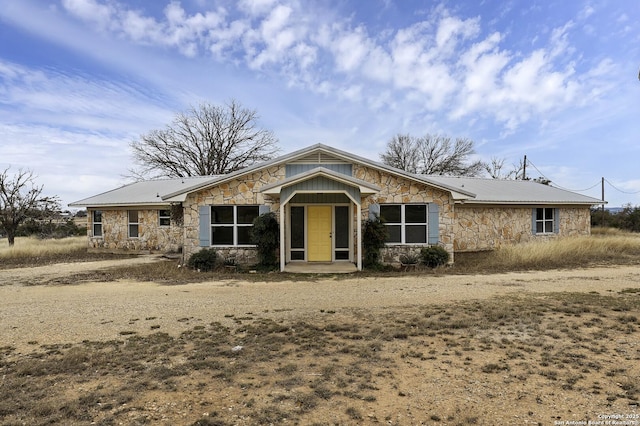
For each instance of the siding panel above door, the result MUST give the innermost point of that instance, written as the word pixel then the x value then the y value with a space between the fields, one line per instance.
pixel 296 169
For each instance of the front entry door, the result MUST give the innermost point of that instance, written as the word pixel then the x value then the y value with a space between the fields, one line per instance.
pixel 319 233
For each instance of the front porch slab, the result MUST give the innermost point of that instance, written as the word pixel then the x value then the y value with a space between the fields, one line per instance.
pixel 320 267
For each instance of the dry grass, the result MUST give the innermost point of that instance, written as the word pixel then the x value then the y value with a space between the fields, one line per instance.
pixel 575 250
pixel 31 251
pixel 606 246
pixel 603 247
pixel 36 247
pixel 533 358
pixel 537 358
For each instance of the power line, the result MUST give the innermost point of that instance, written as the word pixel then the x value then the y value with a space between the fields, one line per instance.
pixel 582 190
pixel 561 187
pixel 620 190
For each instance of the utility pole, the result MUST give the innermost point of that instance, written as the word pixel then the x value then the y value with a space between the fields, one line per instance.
pixel 524 168
pixel 603 201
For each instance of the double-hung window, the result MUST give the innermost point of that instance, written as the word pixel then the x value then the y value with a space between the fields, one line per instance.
pixel 231 225
pixel 133 223
pixel 545 220
pixel 96 220
pixel 406 223
pixel 164 217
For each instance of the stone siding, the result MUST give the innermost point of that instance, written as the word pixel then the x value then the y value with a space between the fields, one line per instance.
pixel 151 236
pixel 399 190
pixel 487 227
pixel 241 190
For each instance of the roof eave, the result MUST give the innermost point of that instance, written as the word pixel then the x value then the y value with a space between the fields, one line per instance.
pixel 533 203
pixel 116 205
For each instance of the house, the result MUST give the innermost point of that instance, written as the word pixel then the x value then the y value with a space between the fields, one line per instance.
pixel 321 196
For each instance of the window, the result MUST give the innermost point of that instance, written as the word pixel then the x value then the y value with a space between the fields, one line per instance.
pixel 406 223
pixel 341 234
pixel 545 220
pixel 165 217
pixel 297 232
pixel 231 225
pixel 133 223
pixel 97 223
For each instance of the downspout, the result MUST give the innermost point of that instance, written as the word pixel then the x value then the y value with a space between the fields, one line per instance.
pixel 282 242
pixel 359 234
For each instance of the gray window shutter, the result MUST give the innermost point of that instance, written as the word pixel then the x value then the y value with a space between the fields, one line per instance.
pixel 533 220
pixel 264 209
pixel 205 225
pixel 434 223
pixel 556 221
pixel 374 211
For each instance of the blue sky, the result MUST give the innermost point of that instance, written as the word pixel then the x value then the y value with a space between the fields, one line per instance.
pixel 554 80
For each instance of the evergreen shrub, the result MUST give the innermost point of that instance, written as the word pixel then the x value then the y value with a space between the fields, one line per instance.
pixel 434 256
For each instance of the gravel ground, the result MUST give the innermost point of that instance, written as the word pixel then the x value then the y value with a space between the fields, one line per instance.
pixel 34 315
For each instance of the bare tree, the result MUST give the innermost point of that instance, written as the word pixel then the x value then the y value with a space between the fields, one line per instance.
pixel 401 153
pixel 432 154
pixel 494 168
pixel 20 199
pixel 208 140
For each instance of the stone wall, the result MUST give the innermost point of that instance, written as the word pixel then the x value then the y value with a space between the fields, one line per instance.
pixel 151 236
pixel 400 190
pixel 241 190
pixel 488 227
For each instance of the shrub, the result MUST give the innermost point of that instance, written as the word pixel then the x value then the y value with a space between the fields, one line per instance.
pixel 204 260
pixel 409 259
pixel 374 235
pixel 266 236
pixel 49 229
pixel 434 256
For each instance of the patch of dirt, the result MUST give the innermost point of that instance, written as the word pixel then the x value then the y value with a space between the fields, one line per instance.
pixel 544 347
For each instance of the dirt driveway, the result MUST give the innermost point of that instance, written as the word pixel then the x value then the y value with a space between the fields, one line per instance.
pixel 32 315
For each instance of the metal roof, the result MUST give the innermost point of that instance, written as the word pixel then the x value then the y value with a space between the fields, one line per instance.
pixel 500 191
pixel 303 153
pixel 148 192
pixel 462 189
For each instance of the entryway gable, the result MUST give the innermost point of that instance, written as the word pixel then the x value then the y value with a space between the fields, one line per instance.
pixel 320 185
pixel 320 179
pixel 310 187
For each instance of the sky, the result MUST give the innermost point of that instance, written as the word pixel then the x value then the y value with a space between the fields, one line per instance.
pixel 554 80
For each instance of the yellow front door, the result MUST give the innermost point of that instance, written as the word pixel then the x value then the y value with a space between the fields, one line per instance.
pixel 319 233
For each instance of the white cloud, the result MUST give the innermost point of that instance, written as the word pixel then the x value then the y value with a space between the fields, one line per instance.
pixel 73 100
pixel 90 10
pixel 276 35
pixel 586 11
pixel 443 63
pixel 256 8
pixel 54 155
pixel 350 48
pixel 451 28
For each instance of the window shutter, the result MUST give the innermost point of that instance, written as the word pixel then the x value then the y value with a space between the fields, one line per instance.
pixel 374 211
pixel 434 224
pixel 533 220
pixel 556 221
pixel 264 209
pixel 205 225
